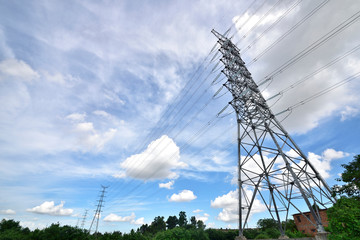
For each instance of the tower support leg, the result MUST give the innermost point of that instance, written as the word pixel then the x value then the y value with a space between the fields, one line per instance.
pixel 240 238
pixel 322 236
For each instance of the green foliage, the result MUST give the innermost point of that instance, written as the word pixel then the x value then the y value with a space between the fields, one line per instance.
pixel 289 225
pixel 9 225
pixel 262 236
pixel 143 229
pixel 172 222
pixel 157 225
pixel 193 221
pixel 295 234
pixel 344 216
pixel 11 230
pixel 351 176
pixel 273 233
pixel 182 219
pixel 220 234
pixel 344 219
pixel 200 225
pixel 215 234
pixel 251 233
pixel 267 223
pixel 180 233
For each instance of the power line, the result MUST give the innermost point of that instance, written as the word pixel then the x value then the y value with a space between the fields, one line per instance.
pixel 287 33
pixel 261 19
pixel 339 28
pixel 309 76
pixel 320 93
pixel 269 28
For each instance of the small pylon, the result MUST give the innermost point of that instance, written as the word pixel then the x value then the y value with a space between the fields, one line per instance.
pixel 98 210
pixel 84 219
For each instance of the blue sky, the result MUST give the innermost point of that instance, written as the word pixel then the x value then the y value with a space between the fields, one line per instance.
pixel 117 93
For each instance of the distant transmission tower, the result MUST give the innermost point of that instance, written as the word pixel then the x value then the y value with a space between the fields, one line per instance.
pixel 98 210
pixel 84 219
pixel 271 167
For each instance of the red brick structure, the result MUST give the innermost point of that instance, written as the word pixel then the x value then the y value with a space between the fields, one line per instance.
pixel 304 226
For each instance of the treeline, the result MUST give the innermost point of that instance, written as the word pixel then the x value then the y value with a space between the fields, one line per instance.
pixel 173 228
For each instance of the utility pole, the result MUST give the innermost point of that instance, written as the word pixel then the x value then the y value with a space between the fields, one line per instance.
pixel 98 210
pixel 272 169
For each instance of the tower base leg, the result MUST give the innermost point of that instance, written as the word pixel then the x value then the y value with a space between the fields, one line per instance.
pixel 321 236
pixel 240 238
pixel 283 237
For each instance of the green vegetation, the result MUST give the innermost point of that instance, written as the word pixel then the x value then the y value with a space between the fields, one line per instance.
pixel 344 216
pixel 344 222
pixel 157 230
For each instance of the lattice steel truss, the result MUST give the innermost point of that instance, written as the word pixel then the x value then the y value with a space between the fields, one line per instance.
pixel 98 211
pixel 271 167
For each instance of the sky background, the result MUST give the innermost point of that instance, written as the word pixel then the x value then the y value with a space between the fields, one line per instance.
pixel 120 94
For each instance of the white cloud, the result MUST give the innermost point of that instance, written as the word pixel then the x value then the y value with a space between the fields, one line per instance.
pixel 131 219
pixel 211 225
pixel 55 78
pixel 8 212
pixel 227 200
pixel 197 211
pixel 89 138
pixel 331 154
pixel 157 162
pixel 183 196
pixel 203 217
pixel 78 117
pixel 168 185
pixel 349 112
pixel 51 209
pixel 229 204
pixel 115 218
pixel 18 69
pixel 139 221
pixel 102 113
pixel 323 163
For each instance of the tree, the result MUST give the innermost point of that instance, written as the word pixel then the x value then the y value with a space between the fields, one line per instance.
pixel 269 227
pixel 344 219
pixel 215 234
pixel 267 223
pixel 289 225
pixel 9 224
pixel 158 225
pixel 200 225
pixel 251 233
pixel 143 229
pixel 171 222
pixel 344 215
pixel 351 176
pixel 182 219
pixel 193 221
pixel 180 233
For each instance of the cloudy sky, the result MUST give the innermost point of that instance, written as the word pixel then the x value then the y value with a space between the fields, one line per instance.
pixel 120 94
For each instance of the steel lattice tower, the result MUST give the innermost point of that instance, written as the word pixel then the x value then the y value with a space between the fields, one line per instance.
pixel 84 219
pixel 271 167
pixel 98 210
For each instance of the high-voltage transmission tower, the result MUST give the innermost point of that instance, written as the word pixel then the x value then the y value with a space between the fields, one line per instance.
pixel 272 169
pixel 98 210
pixel 84 219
